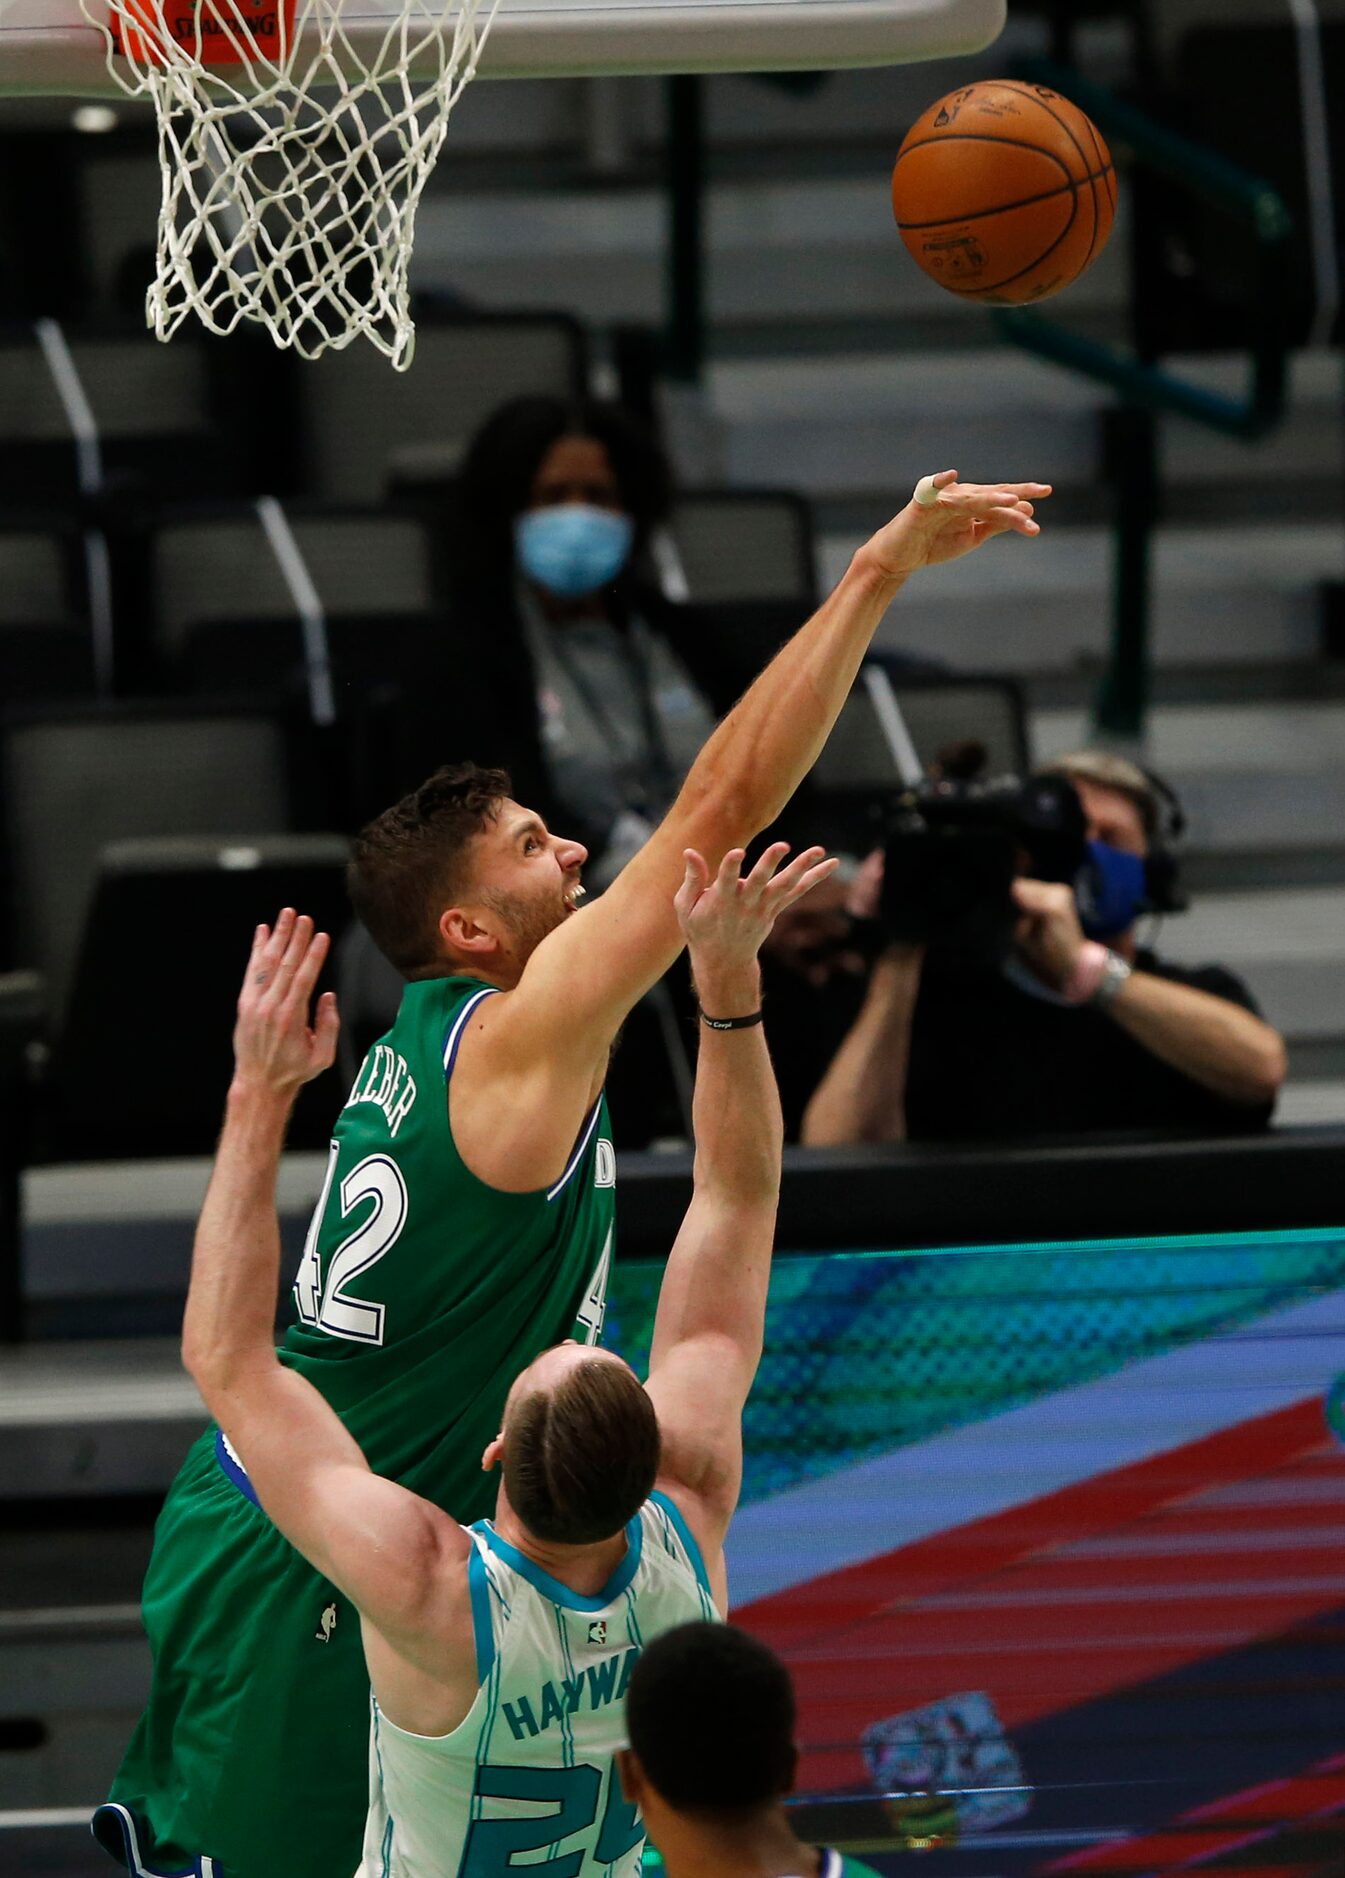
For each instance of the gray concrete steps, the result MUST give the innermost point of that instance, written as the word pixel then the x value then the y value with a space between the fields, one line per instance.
pixel 1289 946
pixel 786 246
pixel 850 423
pixel 1312 1104
pixel 92 1418
pixel 1251 777
pixel 1221 597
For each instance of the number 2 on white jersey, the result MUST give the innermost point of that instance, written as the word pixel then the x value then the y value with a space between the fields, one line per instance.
pixel 328 1306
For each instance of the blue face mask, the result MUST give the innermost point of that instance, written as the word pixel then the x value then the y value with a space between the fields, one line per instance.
pixel 573 548
pixel 1112 890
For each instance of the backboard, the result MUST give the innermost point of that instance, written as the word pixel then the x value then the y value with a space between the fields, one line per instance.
pixel 49 46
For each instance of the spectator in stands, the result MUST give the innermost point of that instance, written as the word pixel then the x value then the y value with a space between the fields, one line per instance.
pixel 1067 1037
pixel 600 689
pixel 710 1714
pixel 553 573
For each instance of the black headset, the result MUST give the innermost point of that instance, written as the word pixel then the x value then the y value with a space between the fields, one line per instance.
pixel 1162 864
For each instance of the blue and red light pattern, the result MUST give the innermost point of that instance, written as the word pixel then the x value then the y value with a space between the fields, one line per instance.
pixel 1053 1541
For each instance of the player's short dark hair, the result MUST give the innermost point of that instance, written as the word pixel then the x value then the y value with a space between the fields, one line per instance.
pixel 580 1460
pixel 409 863
pixel 710 1716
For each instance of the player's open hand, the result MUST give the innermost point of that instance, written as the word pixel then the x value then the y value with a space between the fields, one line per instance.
pixel 963 516
pixel 725 920
pixel 275 1046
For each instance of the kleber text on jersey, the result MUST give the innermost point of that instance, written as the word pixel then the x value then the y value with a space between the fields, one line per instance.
pixel 385 1080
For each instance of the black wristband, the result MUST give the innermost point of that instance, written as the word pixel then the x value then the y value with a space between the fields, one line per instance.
pixel 732 1023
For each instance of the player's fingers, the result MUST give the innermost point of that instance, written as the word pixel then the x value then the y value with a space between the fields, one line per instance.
pixel 299 939
pixel 730 868
pixel 980 498
pixel 326 1029
pixel 806 881
pixel 785 880
pixel 307 969
pixel 770 858
pixel 1003 492
pixel 694 881
pixel 273 947
pixel 998 521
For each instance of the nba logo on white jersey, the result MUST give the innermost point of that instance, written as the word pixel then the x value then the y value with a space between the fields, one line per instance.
pixel 604 1164
pixel 597 1631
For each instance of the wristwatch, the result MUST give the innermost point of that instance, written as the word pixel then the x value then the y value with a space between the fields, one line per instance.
pixel 1114 974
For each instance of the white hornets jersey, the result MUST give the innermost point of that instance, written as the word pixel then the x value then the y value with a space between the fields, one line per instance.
pixel 528 1782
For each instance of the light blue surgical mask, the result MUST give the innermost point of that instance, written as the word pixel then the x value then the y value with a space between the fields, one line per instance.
pixel 573 548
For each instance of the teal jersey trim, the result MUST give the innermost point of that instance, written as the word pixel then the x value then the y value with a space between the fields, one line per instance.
pixel 684 1533
pixel 483 1635
pixel 551 1587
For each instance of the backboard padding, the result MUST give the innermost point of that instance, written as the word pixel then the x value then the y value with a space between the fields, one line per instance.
pixel 48 45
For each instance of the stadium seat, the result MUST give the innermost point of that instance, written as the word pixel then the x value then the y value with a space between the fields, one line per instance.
pixel 73 780
pixel 736 545
pixel 46 651
pixel 363 429
pixel 216 566
pixel 168 1074
pixel 142 846
pixel 226 623
pixel 858 773
pixel 161 421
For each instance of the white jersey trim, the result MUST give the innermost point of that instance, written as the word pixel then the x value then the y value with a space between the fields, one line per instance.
pixel 578 1154
pixel 200 1867
pixel 454 1037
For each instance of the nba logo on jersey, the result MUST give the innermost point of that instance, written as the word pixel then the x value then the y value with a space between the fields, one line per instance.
pixel 604 1164
pixel 597 1630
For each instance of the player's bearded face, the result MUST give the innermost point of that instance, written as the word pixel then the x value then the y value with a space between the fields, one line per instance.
pixel 528 917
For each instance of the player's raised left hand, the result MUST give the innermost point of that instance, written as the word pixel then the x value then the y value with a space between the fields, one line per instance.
pixel 275 1046
pixel 962 516
pixel 725 920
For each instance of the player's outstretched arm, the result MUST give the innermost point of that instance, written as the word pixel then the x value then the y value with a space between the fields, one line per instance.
pixel 382 1545
pixel 712 1304
pixel 583 979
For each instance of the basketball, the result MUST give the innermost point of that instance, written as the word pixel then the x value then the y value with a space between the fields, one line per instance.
pixel 1004 192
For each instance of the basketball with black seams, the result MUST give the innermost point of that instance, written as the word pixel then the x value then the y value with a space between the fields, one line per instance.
pixel 1004 192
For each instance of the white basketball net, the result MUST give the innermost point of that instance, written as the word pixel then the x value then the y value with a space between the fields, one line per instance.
pixel 294 209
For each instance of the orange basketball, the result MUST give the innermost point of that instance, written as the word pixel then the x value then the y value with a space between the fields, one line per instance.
pixel 1004 192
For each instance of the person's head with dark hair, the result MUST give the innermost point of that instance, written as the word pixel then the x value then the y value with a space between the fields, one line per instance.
pixel 568 491
pixel 579 1448
pixel 458 877
pixel 710 1718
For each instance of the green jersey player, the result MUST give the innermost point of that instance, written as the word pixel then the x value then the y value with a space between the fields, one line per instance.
pixel 465 1226
pixel 499 1656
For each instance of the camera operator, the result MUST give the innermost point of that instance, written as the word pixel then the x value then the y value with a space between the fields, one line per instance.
pixel 1037 1028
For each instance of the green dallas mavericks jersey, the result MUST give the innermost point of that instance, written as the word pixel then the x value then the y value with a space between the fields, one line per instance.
pixel 422 1292
pixel 527 1783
